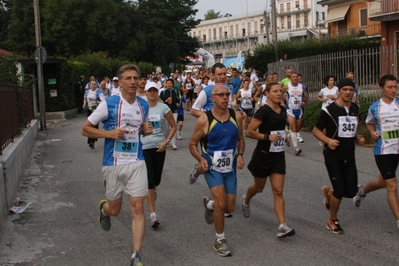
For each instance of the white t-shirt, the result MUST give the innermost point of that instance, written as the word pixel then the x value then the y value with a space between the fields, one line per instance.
pixel 156 116
pixel 326 91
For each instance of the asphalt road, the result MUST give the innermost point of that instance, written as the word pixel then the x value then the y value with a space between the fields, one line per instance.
pixel 63 184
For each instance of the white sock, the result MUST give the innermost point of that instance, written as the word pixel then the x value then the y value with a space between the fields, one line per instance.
pixel 210 205
pixel 298 134
pixel 281 225
pixel 134 254
pixel 220 236
pixel 361 193
pixel 293 139
pixel 152 214
pixel 102 210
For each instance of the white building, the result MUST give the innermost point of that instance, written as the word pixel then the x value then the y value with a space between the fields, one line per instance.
pixel 296 20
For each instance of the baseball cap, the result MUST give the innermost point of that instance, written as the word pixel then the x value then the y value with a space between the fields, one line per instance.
pixel 115 79
pixel 150 85
pixel 228 75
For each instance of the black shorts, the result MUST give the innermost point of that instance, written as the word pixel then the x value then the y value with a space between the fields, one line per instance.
pixel 195 95
pixel 264 164
pixel 387 164
pixel 180 118
pixel 343 176
pixel 189 95
pixel 154 161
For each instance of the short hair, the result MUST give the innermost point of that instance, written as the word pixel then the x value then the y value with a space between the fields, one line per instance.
pixel 327 78
pixel 275 73
pixel 171 80
pixel 206 77
pixel 234 69
pixel 126 67
pixel 383 80
pixel 293 72
pixel 349 73
pixel 217 65
pixel 269 85
pixel 299 75
pixel 219 85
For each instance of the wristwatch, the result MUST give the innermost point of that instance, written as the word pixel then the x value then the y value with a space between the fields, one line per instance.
pixel 168 141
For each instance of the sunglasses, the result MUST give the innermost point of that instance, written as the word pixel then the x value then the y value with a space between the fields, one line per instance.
pixel 221 94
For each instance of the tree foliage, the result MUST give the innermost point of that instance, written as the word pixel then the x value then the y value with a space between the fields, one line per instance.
pixel 210 14
pixel 143 30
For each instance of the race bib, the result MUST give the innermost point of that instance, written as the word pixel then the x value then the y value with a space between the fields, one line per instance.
pixel 223 161
pixel 277 146
pixel 390 134
pixel 347 126
pixel 155 121
pixel 127 147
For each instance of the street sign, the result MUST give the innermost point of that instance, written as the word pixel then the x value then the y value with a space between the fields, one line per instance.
pixel 42 53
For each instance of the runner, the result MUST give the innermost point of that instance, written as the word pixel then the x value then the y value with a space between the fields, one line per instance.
pixel 268 159
pixel 220 133
pixel 340 120
pixel 154 145
pixel 124 168
pixel 383 124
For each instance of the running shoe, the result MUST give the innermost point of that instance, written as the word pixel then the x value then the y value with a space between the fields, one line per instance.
pixel 246 211
pixel 174 147
pixel 221 248
pixel 358 198
pixel 136 260
pixel 228 215
pixel 299 139
pixel 208 212
pixel 334 227
pixel 105 221
pixel 326 200
pixel 154 220
pixel 284 231
pixel 179 135
pixel 297 151
pixel 192 177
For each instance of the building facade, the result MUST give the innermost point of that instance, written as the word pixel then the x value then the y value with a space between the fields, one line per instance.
pixel 295 20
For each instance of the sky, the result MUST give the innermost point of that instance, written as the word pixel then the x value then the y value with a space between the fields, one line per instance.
pixel 234 7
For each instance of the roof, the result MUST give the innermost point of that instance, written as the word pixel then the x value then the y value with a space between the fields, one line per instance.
pixel 5 53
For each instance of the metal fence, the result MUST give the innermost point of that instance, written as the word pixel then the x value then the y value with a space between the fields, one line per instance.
pixel 366 64
pixel 16 111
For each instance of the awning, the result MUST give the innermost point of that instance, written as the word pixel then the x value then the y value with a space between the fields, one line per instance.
pixel 337 13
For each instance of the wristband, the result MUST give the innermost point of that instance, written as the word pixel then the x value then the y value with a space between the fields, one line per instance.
pixel 242 154
pixel 266 137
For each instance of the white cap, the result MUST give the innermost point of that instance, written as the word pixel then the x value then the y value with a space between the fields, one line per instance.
pixel 115 79
pixel 150 85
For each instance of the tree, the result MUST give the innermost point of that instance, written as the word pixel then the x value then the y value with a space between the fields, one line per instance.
pixel 5 11
pixel 210 14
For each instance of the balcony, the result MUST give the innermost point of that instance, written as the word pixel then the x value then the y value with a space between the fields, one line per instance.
pixel 383 10
pixel 295 10
pixel 374 30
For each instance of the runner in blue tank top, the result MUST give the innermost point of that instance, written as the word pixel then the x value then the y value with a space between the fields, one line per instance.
pixel 222 145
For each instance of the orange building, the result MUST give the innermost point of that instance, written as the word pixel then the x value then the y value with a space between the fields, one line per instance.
pixel 350 17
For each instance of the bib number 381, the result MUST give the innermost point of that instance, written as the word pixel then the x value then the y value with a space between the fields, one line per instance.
pixel 127 147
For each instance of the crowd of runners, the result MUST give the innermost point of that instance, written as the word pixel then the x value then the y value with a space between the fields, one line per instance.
pixel 141 115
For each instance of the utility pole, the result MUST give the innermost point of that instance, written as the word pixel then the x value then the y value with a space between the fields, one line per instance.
pixel 274 27
pixel 39 61
pixel 267 27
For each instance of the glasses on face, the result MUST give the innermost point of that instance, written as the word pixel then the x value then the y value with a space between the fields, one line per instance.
pixel 221 94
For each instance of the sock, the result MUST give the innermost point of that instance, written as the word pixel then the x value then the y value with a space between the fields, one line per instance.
pixel 220 236
pixel 298 134
pixel 209 205
pixel 362 193
pixel 134 255
pixel 102 210
pixel 293 139
pixel 152 214
pixel 281 225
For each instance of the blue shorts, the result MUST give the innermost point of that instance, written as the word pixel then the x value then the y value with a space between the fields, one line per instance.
pixel 248 111
pixel 229 180
pixel 295 113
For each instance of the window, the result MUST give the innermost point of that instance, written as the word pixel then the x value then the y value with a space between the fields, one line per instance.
pixel 220 33
pixel 323 15
pixel 288 6
pixel 193 33
pixel 281 8
pixel 214 34
pixel 317 15
pixel 363 17
pixel 298 21
pixel 255 27
pixel 231 31
pixel 282 23
pixel 209 34
pixel 305 4
pixel 204 38
pixel 297 4
pixel 306 21
pixel 289 22
pixel 249 28
pixel 237 32
pixel 243 32
pixel 225 34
